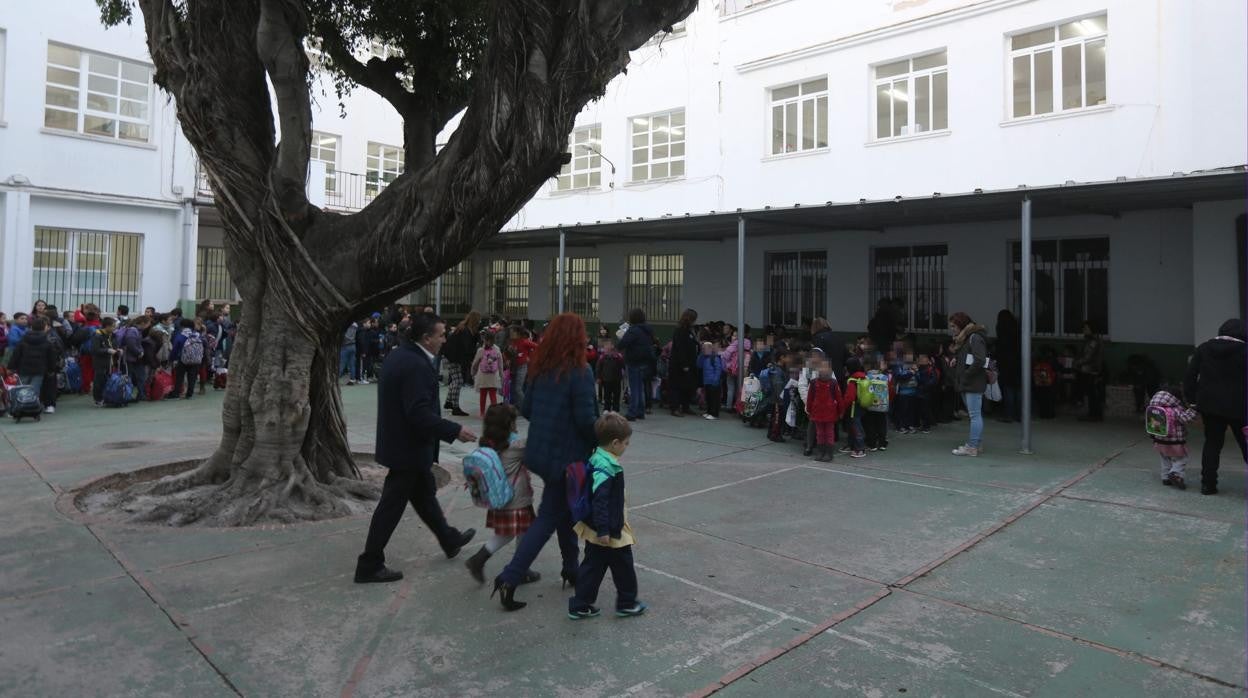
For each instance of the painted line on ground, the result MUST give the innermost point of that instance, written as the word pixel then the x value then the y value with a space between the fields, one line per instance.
pixel 1116 651
pixel 1145 507
pixel 712 489
pixel 723 594
pixel 701 657
pixel 888 479
pixel 387 619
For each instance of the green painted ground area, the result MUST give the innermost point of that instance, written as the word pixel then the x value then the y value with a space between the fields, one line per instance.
pixel 1068 572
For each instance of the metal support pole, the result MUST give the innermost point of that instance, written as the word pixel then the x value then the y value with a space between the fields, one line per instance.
pixel 1026 303
pixel 437 297
pixel 740 302
pixel 562 252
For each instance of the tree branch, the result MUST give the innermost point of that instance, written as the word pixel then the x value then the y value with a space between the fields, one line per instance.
pixel 279 43
pixel 165 43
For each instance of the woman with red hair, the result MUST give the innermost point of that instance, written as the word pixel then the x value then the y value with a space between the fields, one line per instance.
pixel 559 402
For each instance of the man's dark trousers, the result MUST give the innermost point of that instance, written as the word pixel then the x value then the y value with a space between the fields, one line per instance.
pixel 417 486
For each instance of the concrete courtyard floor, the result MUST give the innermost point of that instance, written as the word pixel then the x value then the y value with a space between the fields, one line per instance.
pixel 1071 572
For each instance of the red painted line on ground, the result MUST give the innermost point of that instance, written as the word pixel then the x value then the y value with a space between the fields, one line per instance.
pixel 747 669
pixel 361 665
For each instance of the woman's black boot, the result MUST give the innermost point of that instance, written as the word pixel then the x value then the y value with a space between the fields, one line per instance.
pixel 476 564
pixel 569 579
pixel 507 595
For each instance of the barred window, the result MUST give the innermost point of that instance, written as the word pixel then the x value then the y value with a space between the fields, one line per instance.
pixel 654 284
pixel 456 292
pixel 73 267
pixel 212 279
pixel 1070 285
pixel 914 279
pixel 580 290
pixel 509 288
pixel 797 288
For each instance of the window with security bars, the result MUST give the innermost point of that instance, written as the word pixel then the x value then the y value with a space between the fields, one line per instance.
pixel 584 171
pixel 97 95
pixel 799 117
pixel 913 278
pixel 382 165
pixel 655 283
pixel 796 288
pixel 509 288
pixel 72 267
pixel 912 96
pixel 580 286
pixel 212 279
pixel 1059 67
pixel 456 292
pixel 1070 284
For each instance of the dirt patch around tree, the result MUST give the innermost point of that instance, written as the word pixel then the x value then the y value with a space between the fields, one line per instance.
pixel 111 499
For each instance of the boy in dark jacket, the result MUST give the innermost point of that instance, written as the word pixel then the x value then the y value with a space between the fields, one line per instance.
pixel 607 535
pixel 610 375
pixel 103 349
pixel 34 357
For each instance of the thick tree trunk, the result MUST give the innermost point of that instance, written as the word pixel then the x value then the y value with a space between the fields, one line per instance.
pixel 283 455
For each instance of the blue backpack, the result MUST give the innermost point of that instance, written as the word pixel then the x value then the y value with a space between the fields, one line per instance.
pixel 486 479
pixel 578 481
pixel 73 375
pixel 118 391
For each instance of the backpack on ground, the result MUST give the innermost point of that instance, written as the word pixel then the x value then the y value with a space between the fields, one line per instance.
pixel 486 479
pixel 161 385
pixel 24 402
pixel 73 375
pixel 220 378
pixel 1042 375
pixel 753 404
pixel 489 361
pixel 1161 422
pixel 118 391
pixel 579 477
pixel 192 350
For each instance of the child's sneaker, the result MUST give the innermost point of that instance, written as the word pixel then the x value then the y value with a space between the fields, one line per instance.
pixel 588 612
pixel 884 447
pixel 965 450
pixel 636 609
pixel 873 449
pixel 846 449
pixel 857 454
pixel 926 430
pixel 710 417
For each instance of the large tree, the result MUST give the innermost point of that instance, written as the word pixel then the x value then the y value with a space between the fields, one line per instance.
pixel 518 70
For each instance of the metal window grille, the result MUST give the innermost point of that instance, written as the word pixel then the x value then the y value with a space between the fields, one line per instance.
pixel 1070 284
pixel 914 278
pixel 72 267
pixel 580 288
pixel 655 283
pixel 212 279
pixel 796 288
pixel 509 287
pixel 456 291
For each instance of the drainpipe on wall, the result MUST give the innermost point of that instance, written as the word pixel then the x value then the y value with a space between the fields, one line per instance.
pixel 190 246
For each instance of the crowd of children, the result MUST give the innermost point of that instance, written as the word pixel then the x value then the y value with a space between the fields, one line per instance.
pixel 115 358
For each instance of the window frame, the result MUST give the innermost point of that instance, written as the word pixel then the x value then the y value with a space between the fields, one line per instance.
pixel 511 271
pixel 456 291
pixel 590 171
pixel 209 258
pixel 813 260
pixel 799 100
pixel 72 293
pixel 911 78
pixel 1057 269
pixel 331 175
pixel 588 276
pixel 375 177
pixel 82 111
pixel 646 285
pixel 1056 48
pixel 937 316
pixel 669 161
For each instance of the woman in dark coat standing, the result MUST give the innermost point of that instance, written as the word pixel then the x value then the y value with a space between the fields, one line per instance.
pixel 1009 356
pixel 1215 386
pixel 683 370
pixel 561 406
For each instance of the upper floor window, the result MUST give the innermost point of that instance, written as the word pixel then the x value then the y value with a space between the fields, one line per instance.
pixel 97 95
pixel 1059 68
pixel 382 165
pixel 584 171
pixel 799 117
pixel 730 7
pixel 912 96
pixel 659 146
pixel 325 149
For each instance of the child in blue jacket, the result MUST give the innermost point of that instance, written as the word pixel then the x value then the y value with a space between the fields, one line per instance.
pixel 607 535
pixel 711 368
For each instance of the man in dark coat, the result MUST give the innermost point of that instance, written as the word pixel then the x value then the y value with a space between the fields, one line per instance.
pixel 409 426
pixel 1215 387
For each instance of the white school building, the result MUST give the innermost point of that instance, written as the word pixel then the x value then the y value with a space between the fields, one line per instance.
pixel 868 149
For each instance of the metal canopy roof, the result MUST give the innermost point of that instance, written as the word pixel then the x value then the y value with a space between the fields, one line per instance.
pixel 1071 199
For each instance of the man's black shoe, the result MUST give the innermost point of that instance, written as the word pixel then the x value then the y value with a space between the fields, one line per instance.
pixel 458 540
pixel 381 576
pixel 1208 489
